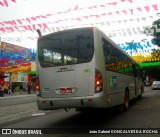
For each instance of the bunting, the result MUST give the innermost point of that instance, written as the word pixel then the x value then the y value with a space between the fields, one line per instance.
pixel 142 52
pixel 24 67
pixel 17 25
pixel 11 57
pixel 5 3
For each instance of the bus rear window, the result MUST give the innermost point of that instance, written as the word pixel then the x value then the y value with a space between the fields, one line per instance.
pixel 66 48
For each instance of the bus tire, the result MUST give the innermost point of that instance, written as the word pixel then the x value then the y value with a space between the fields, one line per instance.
pixel 126 101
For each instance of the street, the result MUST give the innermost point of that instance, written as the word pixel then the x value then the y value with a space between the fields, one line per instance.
pixel 80 68
pixel 143 113
pixel 14 100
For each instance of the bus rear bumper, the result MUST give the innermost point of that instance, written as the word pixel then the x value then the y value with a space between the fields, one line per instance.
pixel 78 102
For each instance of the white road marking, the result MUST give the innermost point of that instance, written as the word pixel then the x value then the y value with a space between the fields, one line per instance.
pixel 38 114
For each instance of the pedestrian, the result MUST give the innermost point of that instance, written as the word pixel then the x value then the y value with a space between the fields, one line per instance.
pixel 12 88
pixel 29 89
pixel 9 90
pixel 1 91
pixel 21 89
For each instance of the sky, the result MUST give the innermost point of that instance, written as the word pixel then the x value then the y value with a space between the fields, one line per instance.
pixel 30 8
pixel 27 8
pixel 22 9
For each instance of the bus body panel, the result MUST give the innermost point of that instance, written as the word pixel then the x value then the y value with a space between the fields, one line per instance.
pixel 96 101
pixel 140 86
pixel 81 78
pixel 67 64
pixel 116 85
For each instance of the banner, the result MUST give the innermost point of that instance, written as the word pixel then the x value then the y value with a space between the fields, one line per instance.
pixel 12 54
pixel 39 131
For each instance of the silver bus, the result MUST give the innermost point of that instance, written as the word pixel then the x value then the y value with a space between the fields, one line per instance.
pixel 82 68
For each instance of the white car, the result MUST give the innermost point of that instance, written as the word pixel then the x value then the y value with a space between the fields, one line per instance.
pixel 156 84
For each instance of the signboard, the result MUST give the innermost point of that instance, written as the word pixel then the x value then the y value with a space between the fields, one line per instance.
pixel 19 77
pixel 6 79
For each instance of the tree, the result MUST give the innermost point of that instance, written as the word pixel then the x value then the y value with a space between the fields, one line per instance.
pixel 152 72
pixel 155 29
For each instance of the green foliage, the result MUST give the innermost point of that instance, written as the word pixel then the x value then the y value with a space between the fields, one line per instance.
pixel 156 34
pixel 152 72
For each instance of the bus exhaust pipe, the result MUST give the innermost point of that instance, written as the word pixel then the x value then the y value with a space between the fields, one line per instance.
pixel 66 109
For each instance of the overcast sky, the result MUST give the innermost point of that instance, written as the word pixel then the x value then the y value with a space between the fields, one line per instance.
pixel 29 8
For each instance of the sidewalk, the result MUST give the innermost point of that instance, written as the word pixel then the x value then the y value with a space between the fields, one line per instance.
pixel 19 111
pixel 17 93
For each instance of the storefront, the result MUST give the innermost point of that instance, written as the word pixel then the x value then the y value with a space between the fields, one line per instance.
pixel 18 65
pixel 18 80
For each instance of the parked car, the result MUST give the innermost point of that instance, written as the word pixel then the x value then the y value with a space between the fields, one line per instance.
pixel 156 85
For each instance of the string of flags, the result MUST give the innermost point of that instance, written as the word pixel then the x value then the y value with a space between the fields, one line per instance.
pixel 16 59
pixel 5 3
pixel 44 21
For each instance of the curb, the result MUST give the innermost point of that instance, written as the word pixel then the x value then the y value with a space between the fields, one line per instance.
pixel 16 96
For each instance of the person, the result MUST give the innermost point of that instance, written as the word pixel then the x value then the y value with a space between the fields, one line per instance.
pixel 21 88
pixel 12 88
pixel 1 91
pixel 5 88
pixel 29 89
pixel 9 90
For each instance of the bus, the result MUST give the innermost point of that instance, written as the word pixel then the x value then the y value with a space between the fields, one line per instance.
pixel 82 68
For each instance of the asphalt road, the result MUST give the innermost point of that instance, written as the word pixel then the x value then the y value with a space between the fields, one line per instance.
pixel 143 113
pixel 14 100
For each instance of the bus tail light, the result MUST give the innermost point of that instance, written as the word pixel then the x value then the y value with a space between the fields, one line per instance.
pixel 98 81
pixel 37 86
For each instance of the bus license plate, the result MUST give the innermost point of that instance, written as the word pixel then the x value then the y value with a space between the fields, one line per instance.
pixel 66 91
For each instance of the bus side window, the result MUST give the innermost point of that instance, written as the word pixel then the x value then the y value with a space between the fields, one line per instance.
pixel 134 70
pixel 109 55
pixel 139 71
